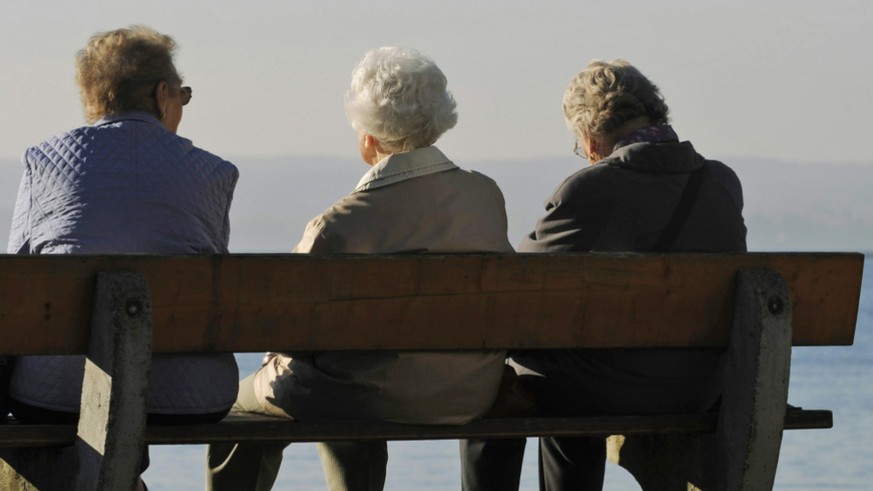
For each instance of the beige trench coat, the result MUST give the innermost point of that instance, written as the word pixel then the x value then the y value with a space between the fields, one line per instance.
pixel 419 202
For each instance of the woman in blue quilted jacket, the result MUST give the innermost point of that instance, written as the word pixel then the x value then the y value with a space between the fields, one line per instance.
pixel 126 183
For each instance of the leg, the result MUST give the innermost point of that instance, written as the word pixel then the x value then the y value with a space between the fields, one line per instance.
pixel 491 465
pixel 354 465
pixel 242 466
pixel 591 382
pixel 572 464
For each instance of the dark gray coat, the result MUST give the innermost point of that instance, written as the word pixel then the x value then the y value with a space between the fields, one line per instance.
pixel 623 203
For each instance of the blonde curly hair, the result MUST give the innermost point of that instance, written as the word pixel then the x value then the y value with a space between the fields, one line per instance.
pixel 606 95
pixel 118 70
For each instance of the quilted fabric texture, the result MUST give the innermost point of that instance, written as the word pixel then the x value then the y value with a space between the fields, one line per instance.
pixel 124 185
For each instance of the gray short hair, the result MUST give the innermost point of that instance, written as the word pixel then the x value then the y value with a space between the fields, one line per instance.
pixel 606 95
pixel 399 96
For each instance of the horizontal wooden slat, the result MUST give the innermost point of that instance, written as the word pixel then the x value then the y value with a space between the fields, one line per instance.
pixel 303 302
pixel 253 428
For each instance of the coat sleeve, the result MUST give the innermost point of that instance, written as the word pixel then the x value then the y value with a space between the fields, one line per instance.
pixel 225 226
pixel 19 234
pixel 317 239
pixel 573 221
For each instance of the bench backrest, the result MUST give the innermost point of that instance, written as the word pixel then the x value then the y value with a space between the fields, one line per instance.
pixel 250 303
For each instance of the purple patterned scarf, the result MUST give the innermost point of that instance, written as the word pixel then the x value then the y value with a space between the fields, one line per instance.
pixel 658 133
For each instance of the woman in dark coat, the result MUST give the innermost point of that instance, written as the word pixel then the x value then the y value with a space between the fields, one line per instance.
pixel 644 191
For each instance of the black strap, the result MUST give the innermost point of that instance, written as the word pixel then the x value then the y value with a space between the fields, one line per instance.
pixel 683 209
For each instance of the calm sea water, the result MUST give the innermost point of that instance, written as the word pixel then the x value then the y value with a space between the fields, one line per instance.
pixel 838 459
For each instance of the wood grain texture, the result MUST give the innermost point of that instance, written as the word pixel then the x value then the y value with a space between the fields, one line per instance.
pixel 306 302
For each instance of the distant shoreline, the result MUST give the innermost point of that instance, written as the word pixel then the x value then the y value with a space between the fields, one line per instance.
pixel 802 208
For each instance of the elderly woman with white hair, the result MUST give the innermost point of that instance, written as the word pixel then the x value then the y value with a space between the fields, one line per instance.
pixel 643 190
pixel 412 200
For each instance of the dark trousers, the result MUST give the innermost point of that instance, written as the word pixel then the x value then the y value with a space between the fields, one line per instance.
pixel 579 383
pixel 564 464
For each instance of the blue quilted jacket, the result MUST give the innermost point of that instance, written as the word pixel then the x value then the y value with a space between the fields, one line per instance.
pixel 124 185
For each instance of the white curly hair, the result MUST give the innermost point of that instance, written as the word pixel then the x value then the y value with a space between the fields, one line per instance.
pixel 399 96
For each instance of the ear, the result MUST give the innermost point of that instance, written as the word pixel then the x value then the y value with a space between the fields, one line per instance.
pixel 162 96
pixel 367 146
pixel 591 147
pixel 371 142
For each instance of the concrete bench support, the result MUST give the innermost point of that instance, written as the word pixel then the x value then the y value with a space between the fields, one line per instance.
pixel 112 424
pixel 109 444
pixel 743 453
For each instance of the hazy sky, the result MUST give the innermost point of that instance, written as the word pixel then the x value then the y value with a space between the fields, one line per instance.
pixel 787 79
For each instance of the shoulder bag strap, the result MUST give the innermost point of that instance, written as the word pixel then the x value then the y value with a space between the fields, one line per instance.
pixel 680 215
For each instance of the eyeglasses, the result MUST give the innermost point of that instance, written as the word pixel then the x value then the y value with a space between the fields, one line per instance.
pixel 578 151
pixel 186 94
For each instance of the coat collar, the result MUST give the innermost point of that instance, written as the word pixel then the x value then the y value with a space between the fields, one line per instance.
pixel 402 166
pixel 657 158
pixel 129 116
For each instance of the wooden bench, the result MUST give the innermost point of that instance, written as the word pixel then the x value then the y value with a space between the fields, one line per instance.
pixel 119 309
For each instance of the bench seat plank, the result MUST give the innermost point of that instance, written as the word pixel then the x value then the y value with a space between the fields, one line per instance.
pixel 245 427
